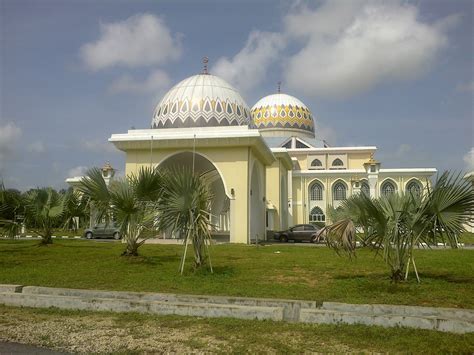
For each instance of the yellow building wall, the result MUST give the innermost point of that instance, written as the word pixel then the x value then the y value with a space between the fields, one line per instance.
pixel 275 174
pixel 273 191
pixel 233 165
pixel 357 160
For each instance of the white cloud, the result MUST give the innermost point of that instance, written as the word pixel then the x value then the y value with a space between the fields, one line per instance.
pixel 248 67
pixel 99 146
pixel 352 46
pixel 469 159
pixel 140 40
pixel 77 171
pixel 36 147
pixel 156 82
pixel 466 87
pixel 9 135
pixel 403 150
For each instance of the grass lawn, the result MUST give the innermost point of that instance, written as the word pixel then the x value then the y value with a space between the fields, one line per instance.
pixel 297 272
pixel 131 333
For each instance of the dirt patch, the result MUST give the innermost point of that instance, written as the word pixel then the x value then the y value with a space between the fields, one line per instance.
pixel 300 276
pixel 96 334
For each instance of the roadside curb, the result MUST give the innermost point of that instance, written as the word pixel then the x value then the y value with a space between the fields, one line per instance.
pixel 440 319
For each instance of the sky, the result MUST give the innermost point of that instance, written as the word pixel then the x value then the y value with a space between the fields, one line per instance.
pixel 395 74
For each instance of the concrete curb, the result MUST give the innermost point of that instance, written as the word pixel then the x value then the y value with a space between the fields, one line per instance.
pixel 440 319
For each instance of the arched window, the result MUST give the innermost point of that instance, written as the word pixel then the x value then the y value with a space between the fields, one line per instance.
pixel 339 191
pixel 316 163
pixel 317 215
pixel 337 162
pixel 316 192
pixel 414 187
pixel 388 188
pixel 365 188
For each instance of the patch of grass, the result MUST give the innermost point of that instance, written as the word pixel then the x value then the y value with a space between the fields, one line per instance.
pixel 297 272
pixel 223 335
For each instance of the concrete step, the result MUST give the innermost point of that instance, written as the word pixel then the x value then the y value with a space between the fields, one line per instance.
pixel 129 305
pixel 291 307
pixel 324 316
pixel 441 319
pixel 401 310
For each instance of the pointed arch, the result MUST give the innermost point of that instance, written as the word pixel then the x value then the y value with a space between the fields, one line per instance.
pixel 337 163
pixel 414 186
pixel 339 191
pixel 317 215
pixel 388 187
pixel 316 191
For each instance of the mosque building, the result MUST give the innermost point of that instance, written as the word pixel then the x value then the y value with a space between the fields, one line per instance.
pixel 265 166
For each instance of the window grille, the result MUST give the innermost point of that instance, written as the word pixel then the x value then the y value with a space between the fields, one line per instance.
pixel 414 188
pixel 388 188
pixel 339 191
pixel 317 215
pixel 316 193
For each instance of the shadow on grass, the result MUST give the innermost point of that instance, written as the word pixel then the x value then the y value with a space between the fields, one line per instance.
pixel 205 271
pixel 458 279
pixel 156 260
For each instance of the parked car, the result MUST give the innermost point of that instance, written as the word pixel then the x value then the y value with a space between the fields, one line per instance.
pixel 103 231
pixel 299 233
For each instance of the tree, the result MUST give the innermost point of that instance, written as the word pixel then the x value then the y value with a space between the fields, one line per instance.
pixel 44 211
pixel 11 210
pixel 398 223
pixel 131 202
pixel 184 209
pixel 76 206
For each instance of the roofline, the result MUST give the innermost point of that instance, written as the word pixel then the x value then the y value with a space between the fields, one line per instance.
pixel 329 172
pixel 424 171
pixel 333 149
pixel 409 170
pixel 232 136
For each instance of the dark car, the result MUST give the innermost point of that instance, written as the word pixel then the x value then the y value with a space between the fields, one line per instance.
pixel 103 231
pixel 299 233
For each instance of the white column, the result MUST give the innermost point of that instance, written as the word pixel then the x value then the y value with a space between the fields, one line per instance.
pixel 233 221
pixel 290 197
pixel 373 179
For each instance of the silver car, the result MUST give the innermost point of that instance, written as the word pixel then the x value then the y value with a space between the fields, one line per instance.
pixel 103 231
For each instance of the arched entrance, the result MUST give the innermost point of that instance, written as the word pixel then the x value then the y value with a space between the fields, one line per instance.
pixel 220 204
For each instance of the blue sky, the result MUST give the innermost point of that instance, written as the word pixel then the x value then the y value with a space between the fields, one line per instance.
pixel 395 74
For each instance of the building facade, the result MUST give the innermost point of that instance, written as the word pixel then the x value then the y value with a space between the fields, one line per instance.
pixel 266 167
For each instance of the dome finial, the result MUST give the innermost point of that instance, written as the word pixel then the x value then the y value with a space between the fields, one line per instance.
pixel 205 60
pixel 279 86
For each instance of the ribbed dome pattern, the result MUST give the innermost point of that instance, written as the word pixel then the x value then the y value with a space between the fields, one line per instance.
pixel 283 114
pixel 202 100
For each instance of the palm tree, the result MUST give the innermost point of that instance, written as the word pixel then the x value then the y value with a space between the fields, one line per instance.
pixel 11 209
pixel 132 202
pixel 184 209
pixel 398 223
pixel 44 211
pixel 76 206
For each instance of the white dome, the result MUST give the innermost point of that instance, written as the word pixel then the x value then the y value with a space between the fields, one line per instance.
pixel 202 100
pixel 282 114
